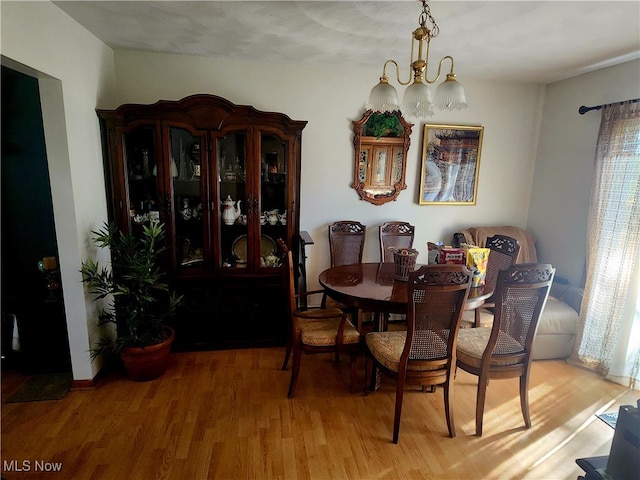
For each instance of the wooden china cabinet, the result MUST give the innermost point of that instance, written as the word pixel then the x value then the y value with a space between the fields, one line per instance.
pixel 225 181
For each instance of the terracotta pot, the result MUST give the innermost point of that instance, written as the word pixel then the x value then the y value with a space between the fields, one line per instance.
pixel 147 363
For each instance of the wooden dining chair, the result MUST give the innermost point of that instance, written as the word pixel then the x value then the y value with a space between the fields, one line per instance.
pixel 395 234
pixel 424 354
pixel 314 330
pixel 398 235
pixel 504 350
pixel 346 246
pixel 346 242
pixel 503 251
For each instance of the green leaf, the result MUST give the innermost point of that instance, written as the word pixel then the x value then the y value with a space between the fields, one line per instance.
pixel 141 301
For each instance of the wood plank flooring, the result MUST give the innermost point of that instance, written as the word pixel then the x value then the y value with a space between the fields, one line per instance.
pixel 225 415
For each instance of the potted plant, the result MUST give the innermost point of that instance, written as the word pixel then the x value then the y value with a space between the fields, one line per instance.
pixel 140 302
pixel 383 125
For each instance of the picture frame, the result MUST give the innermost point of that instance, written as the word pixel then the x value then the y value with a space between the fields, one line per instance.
pixel 450 164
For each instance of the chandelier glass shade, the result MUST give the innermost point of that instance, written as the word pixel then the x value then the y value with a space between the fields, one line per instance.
pixel 383 97
pixel 418 100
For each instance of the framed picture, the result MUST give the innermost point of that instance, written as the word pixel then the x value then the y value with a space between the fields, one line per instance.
pixel 450 164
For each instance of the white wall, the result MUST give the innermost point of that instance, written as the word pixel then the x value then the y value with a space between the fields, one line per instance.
pixel 329 100
pixel 564 165
pixel 78 74
pixel 75 72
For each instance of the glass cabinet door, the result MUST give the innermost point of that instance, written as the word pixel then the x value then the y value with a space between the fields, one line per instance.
pixel 234 200
pixel 274 199
pixel 141 160
pixel 185 171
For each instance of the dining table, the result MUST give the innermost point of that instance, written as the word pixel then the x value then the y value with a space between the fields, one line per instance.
pixel 372 287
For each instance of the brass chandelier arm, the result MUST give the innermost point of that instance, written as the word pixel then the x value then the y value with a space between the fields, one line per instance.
pixel 437 77
pixel 386 78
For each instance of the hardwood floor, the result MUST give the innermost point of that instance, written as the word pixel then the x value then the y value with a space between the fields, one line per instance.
pixel 225 415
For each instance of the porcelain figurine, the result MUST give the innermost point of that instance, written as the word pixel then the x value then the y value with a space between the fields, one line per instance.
pixel 272 216
pixel 187 211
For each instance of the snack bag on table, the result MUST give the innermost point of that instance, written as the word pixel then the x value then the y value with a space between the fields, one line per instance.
pixel 476 261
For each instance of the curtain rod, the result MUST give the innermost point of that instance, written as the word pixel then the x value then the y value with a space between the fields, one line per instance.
pixel 582 110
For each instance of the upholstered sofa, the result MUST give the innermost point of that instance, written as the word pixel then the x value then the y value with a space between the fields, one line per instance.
pixel 559 321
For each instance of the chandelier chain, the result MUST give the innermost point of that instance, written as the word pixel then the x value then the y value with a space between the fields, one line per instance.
pixel 418 102
pixel 426 16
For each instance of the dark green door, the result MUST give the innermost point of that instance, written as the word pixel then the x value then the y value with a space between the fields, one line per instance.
pixel 31 297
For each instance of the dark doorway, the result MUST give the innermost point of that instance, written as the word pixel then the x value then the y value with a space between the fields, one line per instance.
pixel 31 287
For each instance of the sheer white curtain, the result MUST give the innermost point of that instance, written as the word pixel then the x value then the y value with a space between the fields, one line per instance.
pixel 608 339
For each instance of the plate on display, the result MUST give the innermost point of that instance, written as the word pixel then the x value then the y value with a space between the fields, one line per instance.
pixel 239 248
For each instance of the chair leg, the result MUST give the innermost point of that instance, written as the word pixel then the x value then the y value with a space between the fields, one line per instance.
pixel 287 353
pixel 295 371
pixel 482 394
pixel 398 410
pixel 524 398
pixel 356 318
pixel 368 373
pixel 448 408
pixel 385 322
pixel 353 378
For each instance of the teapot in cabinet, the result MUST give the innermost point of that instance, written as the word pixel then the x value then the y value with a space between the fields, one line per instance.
pixel 231 212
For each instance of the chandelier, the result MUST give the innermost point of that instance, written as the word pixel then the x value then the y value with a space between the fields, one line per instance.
pixel 417 102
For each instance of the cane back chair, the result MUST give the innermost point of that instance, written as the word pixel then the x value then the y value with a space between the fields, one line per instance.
pixel 398 235
pixel 395 234
pixel 346 245
pixel 504 350
pixel 346 242
pixel 503 251
pixel 424 354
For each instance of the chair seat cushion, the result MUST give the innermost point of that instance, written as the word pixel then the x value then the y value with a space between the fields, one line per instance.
pixel 387 347
pixel 322 332
pixel 472 343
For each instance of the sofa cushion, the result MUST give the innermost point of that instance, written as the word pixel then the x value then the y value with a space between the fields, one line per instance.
pixel 549 347
pixel 557 318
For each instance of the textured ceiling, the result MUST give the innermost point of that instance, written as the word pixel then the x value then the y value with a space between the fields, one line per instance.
pixel 539 41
